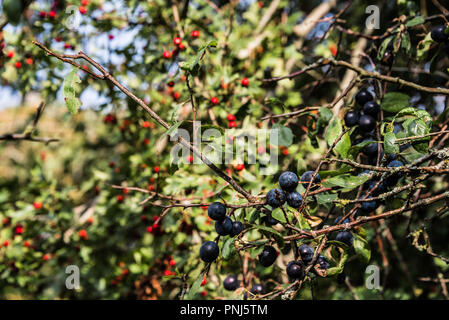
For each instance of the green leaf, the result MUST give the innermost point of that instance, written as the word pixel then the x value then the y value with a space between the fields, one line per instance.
pixel 69 91
pixel 346 181
pixel 253 216
pixel 390 146
pixel 13 10
pixel 395 102
pixel 278 215
pixel 333 131
pixel 194 289
pixel 326 199
pixel 278 237
pixel 424 47
pixel 285 135
pixel 362 249
pixel 228 249
pixel 415 21
pixel 406 44
pixel 193 65
pixel 341 264
pixel 383 47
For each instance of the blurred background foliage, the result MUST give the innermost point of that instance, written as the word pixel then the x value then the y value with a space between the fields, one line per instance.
pixel 124 249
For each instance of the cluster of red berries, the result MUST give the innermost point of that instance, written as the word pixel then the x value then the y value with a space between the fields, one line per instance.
pixel 231 119
pixel 83 8
pixel 155 227
pixel 18 64
pixel 123 273
pixel 171 262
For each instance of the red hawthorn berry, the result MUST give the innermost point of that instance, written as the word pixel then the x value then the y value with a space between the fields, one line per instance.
pixel 146 141
pixel 204 281
pixel 83 234
pixel 10 54
pixel 177 41
pixel 27 243
pixel 120 198
pixel 146 124
pixel 19 230
pixel 245 82
pixel 171 84
pixel 5 221
pixel 111 37
pixel 58 39
pixel 167 54
pixel 228 171
pixel 195 34
pixel 84 2
pixel 5 243
pixel 240 167
pixel 261 150
pixel 2 45
pixel 224 85
pixel 111 164
pixel 18 64
pixel 52 14
pixel 110 118
pixel 149 229
pixel 176 95
pixel 214 100
pixel 172 262
pixel 285 152
pixel 83 10
pixel 232 124
pixel 155 226
pixel 156 169
pixel 37 205
pixel 182 46
pixel 182 77
pixel 90 220
pixel 152 188
pixel 156 218
pixel 230 117
pixel 203 293
pixel 125 191
pixel 67 46
pixel 42 14
pixel 167 272
pixel 190 159
pixel 29 61
pixel 333 49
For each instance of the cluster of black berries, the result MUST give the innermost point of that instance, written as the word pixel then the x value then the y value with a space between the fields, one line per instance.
pixel 231 283
pixel 370 111
pixel 224 226
pixel 344 236
pixel 295 268
pixel 288 181
pixel 439 35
